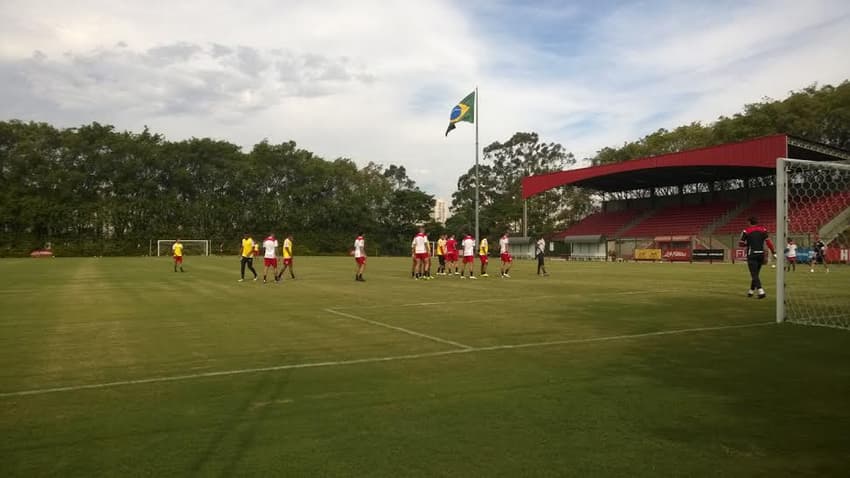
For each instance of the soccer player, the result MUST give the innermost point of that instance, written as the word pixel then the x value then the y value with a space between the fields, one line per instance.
pixel 539 252
pixel 468 245
pixel 287 258
pixel 754 239
pixel 177 253
pixel 422 251
pixel 791 255
pixel 247 256
pixel 451 254
pixel 505 255
pixel 359 257
pixel 270 256
pixel 819 248
pixel 483 251
pixel 441 255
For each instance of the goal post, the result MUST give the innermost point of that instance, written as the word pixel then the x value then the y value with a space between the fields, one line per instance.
pixel 191 247
pixel 813 212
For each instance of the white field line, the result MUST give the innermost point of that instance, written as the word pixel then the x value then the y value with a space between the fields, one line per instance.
pixel 400 329
pixel 391 358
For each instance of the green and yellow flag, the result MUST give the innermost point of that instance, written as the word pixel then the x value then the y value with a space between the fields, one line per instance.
pixel 464 111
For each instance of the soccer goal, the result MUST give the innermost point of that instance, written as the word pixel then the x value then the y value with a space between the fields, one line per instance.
pixel 813 213
pixel 191 247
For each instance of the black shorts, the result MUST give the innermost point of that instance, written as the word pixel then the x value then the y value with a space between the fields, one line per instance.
pixel 442 260
pixel 540 258
pixel 247 260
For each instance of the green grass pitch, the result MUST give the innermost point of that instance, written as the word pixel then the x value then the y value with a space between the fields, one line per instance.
pixel 121 367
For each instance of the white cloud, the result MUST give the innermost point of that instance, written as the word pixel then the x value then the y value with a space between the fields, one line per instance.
pixel 374 80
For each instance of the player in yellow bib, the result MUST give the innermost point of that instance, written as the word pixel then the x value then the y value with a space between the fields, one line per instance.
pixel 483 251
pixel 287 258
pixel 441 255
pixel 177 253
pixel 246 254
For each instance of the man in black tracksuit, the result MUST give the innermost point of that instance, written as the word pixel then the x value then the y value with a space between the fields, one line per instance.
pixel 754 239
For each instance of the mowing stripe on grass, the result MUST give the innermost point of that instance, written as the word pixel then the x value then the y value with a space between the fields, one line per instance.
pixel 400 329
pixel 490 299
pixel 392 358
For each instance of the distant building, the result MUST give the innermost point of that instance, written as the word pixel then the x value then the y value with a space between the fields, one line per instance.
pixel 441 211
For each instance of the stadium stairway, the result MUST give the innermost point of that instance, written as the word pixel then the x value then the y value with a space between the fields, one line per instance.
pixel 723 220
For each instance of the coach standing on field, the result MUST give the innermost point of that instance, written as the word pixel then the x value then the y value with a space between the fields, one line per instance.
pixel 754 239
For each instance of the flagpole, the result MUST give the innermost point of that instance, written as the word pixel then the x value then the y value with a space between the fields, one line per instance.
pixel 477 238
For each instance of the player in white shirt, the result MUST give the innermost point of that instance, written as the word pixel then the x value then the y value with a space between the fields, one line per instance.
pixel 269 256
pixel 791 255
pixel 359 257
pixel 468 246
pixel 540 252
pixel 505 254
pixel 422 254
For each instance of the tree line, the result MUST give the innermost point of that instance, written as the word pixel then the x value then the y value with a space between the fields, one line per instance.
pixel 93 190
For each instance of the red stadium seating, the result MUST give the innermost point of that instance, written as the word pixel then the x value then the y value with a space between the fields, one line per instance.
pixel 807 215
pixel 764 210
pixel 600 223
pixel 680 220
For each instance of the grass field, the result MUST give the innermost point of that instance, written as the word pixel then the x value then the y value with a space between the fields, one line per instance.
pixel 121 367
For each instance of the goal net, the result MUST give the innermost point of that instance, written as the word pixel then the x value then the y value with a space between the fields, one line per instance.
pixel 191 247
pixel 813 218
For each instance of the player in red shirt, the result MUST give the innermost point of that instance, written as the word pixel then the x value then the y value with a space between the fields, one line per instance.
pixel 452 254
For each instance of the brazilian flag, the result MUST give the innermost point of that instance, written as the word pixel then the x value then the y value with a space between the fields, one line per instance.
pixel 463 111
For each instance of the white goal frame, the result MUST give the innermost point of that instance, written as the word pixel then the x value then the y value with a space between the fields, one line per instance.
pixel 203 242
pixel 782 224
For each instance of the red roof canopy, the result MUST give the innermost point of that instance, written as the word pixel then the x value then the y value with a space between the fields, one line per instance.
pixel 756 157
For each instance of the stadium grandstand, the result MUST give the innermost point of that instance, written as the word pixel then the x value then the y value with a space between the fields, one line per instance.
pixel 692 205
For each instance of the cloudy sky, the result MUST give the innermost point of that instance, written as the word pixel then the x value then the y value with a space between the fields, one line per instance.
pixel 375 80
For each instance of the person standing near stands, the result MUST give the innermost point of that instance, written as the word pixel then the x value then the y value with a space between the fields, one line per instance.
pixel 539 252
pixel 819 249
pixel 247 256
pixel 791 255
pixel 505 255
pixel 754 239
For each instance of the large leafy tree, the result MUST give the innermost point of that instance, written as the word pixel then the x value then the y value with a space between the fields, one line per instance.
pixel 500 188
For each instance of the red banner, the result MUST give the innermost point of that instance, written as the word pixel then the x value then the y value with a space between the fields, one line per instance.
pixel 837 255
pixel 677 255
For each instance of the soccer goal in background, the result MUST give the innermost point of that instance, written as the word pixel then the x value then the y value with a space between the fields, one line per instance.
pixel 813 204
pixel 191 247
